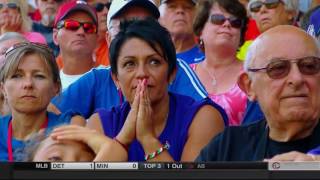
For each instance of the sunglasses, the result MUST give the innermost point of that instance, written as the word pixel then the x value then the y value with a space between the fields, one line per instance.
pixel 100 6
pixel 73 25
pixel 219 19
pixel 9 5
pixel 269 4
pixel 280 68
pixel 28 44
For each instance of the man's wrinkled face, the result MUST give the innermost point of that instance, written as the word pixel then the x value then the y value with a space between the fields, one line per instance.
pixel 291 97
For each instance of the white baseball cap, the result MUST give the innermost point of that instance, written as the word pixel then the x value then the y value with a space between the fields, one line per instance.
pixel 117 6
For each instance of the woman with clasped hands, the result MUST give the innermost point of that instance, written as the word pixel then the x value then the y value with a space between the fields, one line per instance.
pixel 153 124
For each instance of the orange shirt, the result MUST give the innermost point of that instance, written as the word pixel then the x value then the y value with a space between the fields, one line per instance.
pixel 101 56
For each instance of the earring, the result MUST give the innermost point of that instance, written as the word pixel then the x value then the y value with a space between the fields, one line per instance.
pixel 201 43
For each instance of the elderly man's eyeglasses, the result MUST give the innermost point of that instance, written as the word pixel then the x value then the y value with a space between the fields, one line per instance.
pixel 9 5
pixel 219 19
pixel 280 68
pixel 269 4
pixel 31 44
pixel 73 25
pixel 100 6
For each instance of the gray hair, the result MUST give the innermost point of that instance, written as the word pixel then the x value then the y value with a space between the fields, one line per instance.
pixel 289 5
pixel 251 53
pixel 12 35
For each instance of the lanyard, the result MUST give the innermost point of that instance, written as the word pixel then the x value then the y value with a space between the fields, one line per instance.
pixel 9 138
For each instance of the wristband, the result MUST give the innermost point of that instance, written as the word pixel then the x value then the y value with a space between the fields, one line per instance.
pixel 152 155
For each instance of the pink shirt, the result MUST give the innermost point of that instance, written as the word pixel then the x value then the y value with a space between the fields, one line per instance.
pixel 35 37
pixel 233 101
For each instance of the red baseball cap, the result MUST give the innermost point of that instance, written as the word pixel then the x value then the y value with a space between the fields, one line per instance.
pixel 72 6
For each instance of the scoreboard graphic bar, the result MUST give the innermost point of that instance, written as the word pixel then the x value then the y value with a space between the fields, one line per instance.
pixel 159 170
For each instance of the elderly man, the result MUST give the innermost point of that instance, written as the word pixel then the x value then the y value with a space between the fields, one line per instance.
pixel 177 16
pixel 282 72
pixel 98 86
pixel 268 14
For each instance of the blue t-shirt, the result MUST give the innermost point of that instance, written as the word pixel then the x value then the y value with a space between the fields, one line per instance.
pixel 53 120
pixel 182 110
pixel 96 89
pixel 191 56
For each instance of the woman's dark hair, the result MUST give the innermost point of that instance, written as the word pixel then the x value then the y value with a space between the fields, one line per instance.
pixel 233 7
pixel 148 30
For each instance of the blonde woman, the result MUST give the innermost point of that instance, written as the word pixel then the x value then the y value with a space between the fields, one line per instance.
pixel 29 79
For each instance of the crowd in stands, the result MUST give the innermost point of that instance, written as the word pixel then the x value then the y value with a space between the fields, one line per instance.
pixel 159 80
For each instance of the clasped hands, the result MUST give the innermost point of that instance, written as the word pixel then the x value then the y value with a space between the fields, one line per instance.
pixel 139 124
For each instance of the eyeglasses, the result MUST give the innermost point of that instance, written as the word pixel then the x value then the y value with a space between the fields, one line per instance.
pixel 281 68
pixel 31 44
pixel 73 25
pixel 219 19
pixel 9 5
pixel 269 4
pixel 100 6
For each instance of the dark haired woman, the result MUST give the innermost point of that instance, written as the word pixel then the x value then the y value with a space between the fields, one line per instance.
pixel 154 124
pixel 221 25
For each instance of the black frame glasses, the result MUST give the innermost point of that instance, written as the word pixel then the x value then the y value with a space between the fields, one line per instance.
pixel 280 68
pixel 100 6
pixel 219 19
pixel 269 4
pixel 74 25
pixel 24 44
pixel 10 5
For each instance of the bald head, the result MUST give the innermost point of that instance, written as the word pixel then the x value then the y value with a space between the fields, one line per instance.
pixel 284 79
pixel 283 41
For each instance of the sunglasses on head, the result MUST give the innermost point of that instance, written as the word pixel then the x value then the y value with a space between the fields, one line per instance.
pixel 9 5
pixel 280 68
pixel 269 4
pixel 100 6
pixel 219 19
pixel 73 25
pixel 30 44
